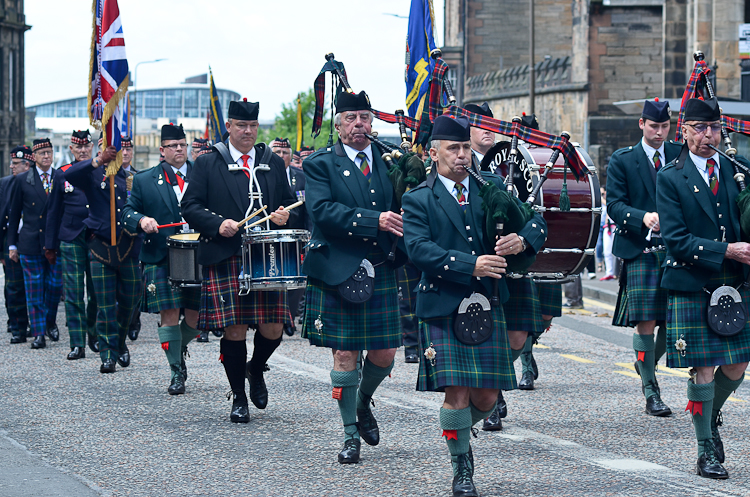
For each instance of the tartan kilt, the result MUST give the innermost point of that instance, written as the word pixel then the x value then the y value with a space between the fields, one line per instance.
pixel 550 299
pixel 641 297
pixel 522 310
pixel 686 319
pixel 373 325
pixel 162 296
pixel 487 365
pixel 221 305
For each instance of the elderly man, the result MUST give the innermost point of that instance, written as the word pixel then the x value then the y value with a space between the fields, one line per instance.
pixel 41 275
pixel 352 294
pixel 699 220
pixel 445 238
pixel 631 203
pixel 21 158
pixel 218 198
pixel 66 235
pixel 155 200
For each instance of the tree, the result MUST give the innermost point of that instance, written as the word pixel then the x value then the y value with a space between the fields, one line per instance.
pixel 285 124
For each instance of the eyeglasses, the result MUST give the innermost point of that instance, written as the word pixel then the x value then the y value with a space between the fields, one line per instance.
pixel 176 146
pixel 702 127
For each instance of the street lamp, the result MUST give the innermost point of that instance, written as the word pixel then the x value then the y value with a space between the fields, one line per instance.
pixel 135 94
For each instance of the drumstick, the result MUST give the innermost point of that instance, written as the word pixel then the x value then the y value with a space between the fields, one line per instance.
pixel 296 204
pixel 248 218
pixel 170 225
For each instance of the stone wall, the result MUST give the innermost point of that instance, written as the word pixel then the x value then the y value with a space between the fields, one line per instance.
pixel 12 112
pixel 676 68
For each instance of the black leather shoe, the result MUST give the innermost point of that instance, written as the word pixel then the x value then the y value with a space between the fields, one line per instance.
pixel 218 333
pixel 502 406
pixel 289 329
pixel 77 353
pixel 493 423
pixel 177 385
pixel 655 407
pixel 53 333
pixel 240 412
pixel 350 453
pixel 93 343
pixel 39 342
pixel 463 484
pixel 202 337
pixel 527 381
pixel 708 465
pixel 183 366
pixel 718 444
pixel 108 366
pixel 368 426
pixel 124 358
pixel 18 338
pixel 411 356
pixel 135 329
pixel 258 390
pixel 534 367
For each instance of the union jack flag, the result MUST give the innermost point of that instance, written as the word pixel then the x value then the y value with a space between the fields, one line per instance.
pixel 108 103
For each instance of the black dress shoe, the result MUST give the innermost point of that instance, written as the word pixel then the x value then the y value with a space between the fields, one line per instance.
pixel 655 407
pixel 18 338
pixel 202 337
pixel 177 385
pixel 124 358
pixel 350 453
pixel 77 353
pixel 183 366
pixel 53 333
pixel 368 426
pixel 411 356
pixel 493 423
pixel 502 406
pixel 708 465
pixel 534 367
pixel 93 343
pixel 108 366
pixel 258 390
pixel 39 342
pixel 289 329
pixel 527 381
pixel 718 444
pixel 218 333
pixel 463 484
pixel 135 329
pixel 240 412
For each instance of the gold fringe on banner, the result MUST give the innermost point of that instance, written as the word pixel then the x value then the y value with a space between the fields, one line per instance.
pixel 109 111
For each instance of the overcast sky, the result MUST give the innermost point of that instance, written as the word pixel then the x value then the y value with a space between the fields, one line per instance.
pixel 265 50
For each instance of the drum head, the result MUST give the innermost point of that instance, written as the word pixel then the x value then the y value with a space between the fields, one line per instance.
pixel 524 173
pixel 186 237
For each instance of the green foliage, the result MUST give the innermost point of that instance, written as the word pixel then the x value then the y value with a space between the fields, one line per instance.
pixel 285 125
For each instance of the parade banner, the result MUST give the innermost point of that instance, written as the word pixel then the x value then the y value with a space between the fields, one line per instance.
pixel 108 78
pixel 218 128
pixel 419 43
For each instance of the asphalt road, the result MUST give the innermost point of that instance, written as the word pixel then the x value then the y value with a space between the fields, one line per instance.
pixel 67 430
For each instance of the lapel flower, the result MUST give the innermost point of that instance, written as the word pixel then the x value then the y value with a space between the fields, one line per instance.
pixel 430 354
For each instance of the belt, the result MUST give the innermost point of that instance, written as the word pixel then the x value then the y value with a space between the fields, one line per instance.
pixel 657 248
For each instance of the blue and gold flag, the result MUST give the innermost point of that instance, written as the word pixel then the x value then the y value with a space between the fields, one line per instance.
pixel 419 43
pixel 218 128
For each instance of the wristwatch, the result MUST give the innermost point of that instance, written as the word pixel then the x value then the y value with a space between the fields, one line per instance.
pixel 523 243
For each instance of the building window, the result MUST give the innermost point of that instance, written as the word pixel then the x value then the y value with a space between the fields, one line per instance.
pixel 153 103
pixel 173 104
pixel 68 108
pixel 10 80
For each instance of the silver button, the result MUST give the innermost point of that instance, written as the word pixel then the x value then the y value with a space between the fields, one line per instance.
pixel 453 259
pixel 471 239
pixel 430 285
pixel 628 214
pixel 720 216
pixel 354 223
pixel 372 191
pixel 444 267
pixel 695 257
pixel 373 203
pixel 350 233
pixel 468 228
pixel 533 225
pixel 472 253
pixel 359 215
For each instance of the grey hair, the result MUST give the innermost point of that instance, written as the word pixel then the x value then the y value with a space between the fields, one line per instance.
pixel 436 144
pixel 337 118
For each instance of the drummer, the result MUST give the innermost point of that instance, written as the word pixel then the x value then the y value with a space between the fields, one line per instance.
pixel 218 198
pixel 481 139
pixel 155 200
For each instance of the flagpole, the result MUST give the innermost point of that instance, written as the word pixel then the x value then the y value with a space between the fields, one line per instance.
pixel 112 221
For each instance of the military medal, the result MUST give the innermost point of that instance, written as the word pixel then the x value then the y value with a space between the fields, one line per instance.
pixel 104 185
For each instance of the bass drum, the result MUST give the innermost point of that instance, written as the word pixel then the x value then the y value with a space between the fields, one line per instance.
pixel 572 236
pixel 525 174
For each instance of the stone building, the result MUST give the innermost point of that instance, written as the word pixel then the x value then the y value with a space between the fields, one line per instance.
pixel 12 115
pixel 590 55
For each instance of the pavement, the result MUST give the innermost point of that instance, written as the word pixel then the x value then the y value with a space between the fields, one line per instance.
pixel 67 430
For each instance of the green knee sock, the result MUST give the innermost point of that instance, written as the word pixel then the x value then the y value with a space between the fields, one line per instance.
pixel 515 354
pixel 723 388
pixel 372 376
pixel 702 422
pixel 660 348
pixel 644 346
pixel 477 415
pixel 546 323
pixel 188 333
pixel 526 355
pixel 347 381
pixel 171 342
pixel 458 421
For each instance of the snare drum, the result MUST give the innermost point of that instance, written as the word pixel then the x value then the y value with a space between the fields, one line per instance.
pixel 184 270
pixel 572 236
pixel 272 260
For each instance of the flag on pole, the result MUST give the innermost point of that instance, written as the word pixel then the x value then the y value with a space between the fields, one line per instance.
pixel 419 43
pixel 108 77
pixel 218 127
pixel 299 124
pixel 207 133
